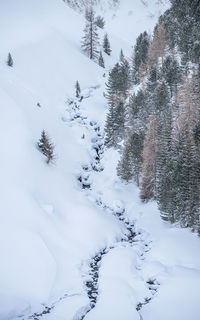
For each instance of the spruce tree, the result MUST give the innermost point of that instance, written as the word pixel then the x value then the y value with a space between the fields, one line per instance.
pixel 9 60
pixel 100 22
pixel 111 138
pixel 101 60
pixel 129 166
pixel 171 72
pixel 46 147
pixel 78 89
pixel 106 45
pixel 90 40
pixel 140 55
pixel 121 56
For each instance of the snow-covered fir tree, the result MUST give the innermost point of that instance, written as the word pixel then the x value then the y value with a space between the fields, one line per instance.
pixel 78 89
pixel 100 22
pixel 90 40
pixel 101 60
pixel 46 147
pixel 10 60
pixel 106 45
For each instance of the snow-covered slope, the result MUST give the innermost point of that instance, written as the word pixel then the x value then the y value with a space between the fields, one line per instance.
pixel 50 228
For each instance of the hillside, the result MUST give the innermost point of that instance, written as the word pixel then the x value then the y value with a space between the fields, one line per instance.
pixel 75 241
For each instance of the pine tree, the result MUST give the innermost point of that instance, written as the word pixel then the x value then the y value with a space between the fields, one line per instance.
pixel 188 155
pixel 121 56
pixel 106 45
pixel 9 60
pixel 171 72
pixel 129 166
pixel 140 56
pixel 90 40
pixel 101 60
pixel 166 170
pixel 100 22
pixel 46 147
pixel 125 78
pixel 78 89
pixel 111 138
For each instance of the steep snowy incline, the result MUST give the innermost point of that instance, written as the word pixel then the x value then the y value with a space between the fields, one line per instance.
pixel 50 228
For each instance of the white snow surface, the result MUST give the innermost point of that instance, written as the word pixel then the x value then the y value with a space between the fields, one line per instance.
pixel 49 227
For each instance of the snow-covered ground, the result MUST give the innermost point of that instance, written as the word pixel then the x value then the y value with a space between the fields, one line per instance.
pixel 51 229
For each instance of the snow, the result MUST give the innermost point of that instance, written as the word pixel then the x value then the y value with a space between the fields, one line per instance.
pixel 50 228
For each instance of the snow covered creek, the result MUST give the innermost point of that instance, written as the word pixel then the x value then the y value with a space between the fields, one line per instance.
pixel 131 237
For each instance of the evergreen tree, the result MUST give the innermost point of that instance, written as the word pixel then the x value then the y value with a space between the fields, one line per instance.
pixel 125 78
pixel 140 55
pixel 171 72
pixel 166 170
pixel 129 166
pixel 137 113
pixel 111 138
pixel 121 56
pixel 101 60
pixel 100 22
pixel 46 147
pixel 9 60
pixel 78 89
pixel 106 45
pixel 90 39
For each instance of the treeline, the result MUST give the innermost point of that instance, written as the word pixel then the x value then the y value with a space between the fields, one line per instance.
pixel 154 118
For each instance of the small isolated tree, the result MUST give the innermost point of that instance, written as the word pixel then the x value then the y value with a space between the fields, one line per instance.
pixel 10 60
pixel 90 39
pixel 101 60
pixel 121 56
pixel 46 147
pixel 78 89
pixel 100 22
pixel 106 45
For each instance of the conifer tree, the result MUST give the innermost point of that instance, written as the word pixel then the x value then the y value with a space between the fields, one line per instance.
pixel 171 72
pixel 111 138
pixel 129 166
pixel 46 147
pixel 100 22
pixel 101 60
pixel 9 60
pixel 121 56
pixel 106 45
pixel 140 56
pixel 90 40
pixel 78 89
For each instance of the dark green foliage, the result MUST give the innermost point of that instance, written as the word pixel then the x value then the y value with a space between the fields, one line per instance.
pixel 171 72
pixel 9 60
pixel 117 90
pixel 121 56
pixel 100 22
pixel 115 124
pixel 137 112
pixel 101 60
pixel 106 45
pixel 90 39
pixel 140 53
pixel 182 22
pixel 166 170
pixel 46 147
pixel 129 166
pixel 78 89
